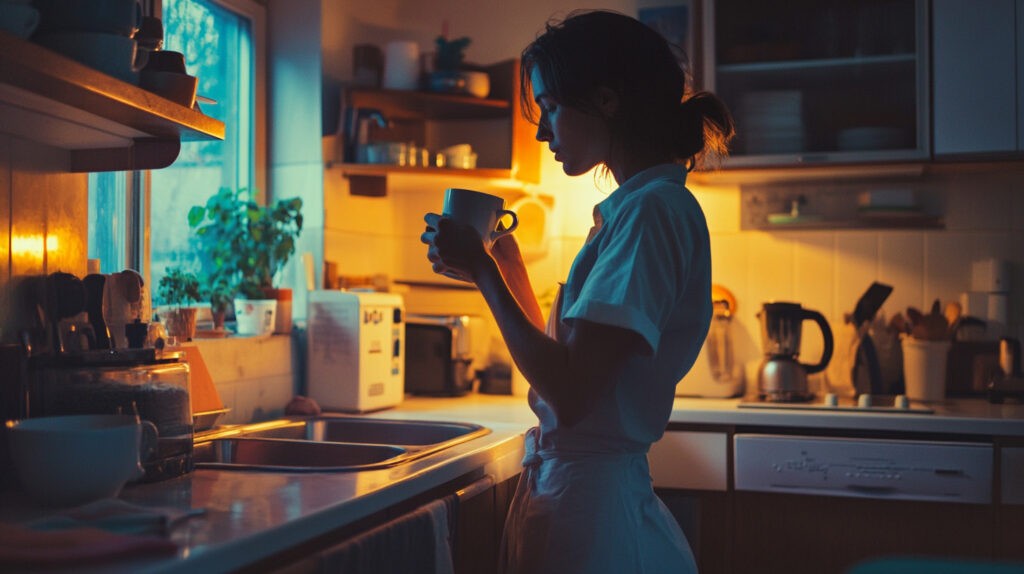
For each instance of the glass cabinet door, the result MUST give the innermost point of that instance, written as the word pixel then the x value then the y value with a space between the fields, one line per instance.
pixel 820 81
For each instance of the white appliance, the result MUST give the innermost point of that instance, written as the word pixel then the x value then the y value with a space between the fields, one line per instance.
pixel 865 468
pixel 355 350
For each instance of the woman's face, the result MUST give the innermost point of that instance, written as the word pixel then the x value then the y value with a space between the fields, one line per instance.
pixel 578 140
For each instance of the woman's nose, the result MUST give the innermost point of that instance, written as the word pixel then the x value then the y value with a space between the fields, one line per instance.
pixel 543 133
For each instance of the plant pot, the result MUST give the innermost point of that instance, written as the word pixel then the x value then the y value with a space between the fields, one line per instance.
pixel 283 317
pixel 181 323
pixel 255 317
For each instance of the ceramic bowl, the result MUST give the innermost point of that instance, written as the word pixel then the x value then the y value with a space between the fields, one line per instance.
pixel 121 17
pixel 18 19
pixel 76 459
pixel 111 54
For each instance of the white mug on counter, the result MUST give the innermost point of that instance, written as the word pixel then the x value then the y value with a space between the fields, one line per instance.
pixel 481 210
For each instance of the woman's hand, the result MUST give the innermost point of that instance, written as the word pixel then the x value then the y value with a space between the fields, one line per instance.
pixel 454 250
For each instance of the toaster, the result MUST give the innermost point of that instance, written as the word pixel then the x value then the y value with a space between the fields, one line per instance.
pixel 438 355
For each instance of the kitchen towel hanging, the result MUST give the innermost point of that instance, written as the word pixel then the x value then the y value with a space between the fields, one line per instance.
pixel 414 543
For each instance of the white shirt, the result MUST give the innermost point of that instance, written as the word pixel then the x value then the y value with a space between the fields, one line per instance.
pixel 647 269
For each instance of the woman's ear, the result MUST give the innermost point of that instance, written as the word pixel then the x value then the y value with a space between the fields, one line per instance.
pixel 607 101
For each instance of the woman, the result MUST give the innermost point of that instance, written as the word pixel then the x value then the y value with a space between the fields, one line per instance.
pixel 633 313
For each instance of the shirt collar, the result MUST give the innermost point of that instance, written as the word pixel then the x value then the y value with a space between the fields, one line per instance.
pixel 607 207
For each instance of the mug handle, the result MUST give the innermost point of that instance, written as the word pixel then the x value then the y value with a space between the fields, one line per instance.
pixel 502 232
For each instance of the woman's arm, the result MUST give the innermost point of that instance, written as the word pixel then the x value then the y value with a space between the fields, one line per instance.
pixel 510 263
pixel 570 376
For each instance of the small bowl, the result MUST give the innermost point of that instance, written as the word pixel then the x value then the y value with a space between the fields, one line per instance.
pixel 179 88
pixel 75 459
pixel 166 61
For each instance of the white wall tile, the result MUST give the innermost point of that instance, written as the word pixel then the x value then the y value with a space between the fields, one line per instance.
pixel 901 265
pixel 947 267
pixel 770 267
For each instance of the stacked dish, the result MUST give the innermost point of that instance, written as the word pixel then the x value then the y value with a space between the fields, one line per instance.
pixel 772 121
pixel 97 34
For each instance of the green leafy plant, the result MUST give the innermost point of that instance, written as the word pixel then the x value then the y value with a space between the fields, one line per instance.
pixel 244 244
pixel 178 287
pixel 450 53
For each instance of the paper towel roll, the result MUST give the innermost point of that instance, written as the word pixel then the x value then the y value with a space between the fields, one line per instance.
pixel 401 65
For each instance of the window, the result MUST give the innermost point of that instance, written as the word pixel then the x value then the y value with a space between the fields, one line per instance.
pixel 222 41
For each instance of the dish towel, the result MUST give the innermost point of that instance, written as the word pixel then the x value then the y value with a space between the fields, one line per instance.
pixel 97 532
pixel 415 543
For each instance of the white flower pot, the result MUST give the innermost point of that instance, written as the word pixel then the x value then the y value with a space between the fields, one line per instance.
pixel 255 317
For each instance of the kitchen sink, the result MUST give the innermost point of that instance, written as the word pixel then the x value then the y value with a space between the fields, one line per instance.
pixel 327 443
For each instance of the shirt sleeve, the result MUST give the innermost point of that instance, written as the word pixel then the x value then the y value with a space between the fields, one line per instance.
pixel 640 270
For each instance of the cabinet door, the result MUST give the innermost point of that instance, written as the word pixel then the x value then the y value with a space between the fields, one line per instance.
pixel 975 76
pixel 821 81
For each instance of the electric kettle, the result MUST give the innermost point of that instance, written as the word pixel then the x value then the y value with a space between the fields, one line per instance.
pixel 781 377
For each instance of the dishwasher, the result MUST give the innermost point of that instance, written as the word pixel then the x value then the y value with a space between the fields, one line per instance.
pixel 822 504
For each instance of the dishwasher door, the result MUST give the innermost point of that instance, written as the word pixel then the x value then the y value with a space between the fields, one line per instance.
pixel 870 468
pixel 812 505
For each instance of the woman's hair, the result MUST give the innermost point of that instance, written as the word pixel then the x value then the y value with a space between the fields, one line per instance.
pixel 590 50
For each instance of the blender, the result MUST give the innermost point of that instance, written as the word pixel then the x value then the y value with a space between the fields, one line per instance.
pixel 781 377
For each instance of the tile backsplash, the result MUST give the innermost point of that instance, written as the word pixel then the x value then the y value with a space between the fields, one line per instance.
pixel 826 270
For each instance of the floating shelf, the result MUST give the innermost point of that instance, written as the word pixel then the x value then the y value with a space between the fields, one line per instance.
pixel 106 124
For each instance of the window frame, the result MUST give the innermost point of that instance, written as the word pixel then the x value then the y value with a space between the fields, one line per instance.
pixel 257 14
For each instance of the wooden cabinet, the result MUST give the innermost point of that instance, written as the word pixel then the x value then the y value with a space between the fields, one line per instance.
pixel 104 123
pixel 978 71
pixel 815 82
pixel 493 126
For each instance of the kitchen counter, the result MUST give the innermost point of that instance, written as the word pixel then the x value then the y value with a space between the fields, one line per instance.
pixel 252 515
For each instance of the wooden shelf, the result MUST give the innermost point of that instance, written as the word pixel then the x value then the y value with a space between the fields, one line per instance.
pixel 365 169
pixel 428 105
pixel 106 124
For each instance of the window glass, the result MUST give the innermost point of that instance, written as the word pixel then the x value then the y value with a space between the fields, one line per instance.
pixel 218 48
pixel 108 227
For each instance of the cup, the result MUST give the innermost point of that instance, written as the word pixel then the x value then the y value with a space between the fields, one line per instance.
pixel 481 210
pixel 72 460
pixel 924 369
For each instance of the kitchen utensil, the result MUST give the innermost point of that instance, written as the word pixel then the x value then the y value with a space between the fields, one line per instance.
pixel 94 308
pixel 725 370
pixel 782 377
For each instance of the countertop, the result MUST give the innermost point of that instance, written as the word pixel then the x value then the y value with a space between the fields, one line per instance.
pixel 253 515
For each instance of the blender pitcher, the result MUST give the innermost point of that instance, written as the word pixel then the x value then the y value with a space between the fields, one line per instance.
pixel 782 377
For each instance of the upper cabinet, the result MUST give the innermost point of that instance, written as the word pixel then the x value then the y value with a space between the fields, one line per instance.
pixel 978 77
pixel 821 82
pixel 104 123
pixel 403 131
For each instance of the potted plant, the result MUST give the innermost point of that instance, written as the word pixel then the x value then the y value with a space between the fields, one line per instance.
pixel 178 288
pixel 220 292
pixel 451 74
pixel 248 245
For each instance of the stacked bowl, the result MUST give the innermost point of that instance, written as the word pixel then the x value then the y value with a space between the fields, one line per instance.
pixel 98 33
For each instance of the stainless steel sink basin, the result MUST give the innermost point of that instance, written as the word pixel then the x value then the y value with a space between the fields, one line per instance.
pixel 327 443
pixel 293 456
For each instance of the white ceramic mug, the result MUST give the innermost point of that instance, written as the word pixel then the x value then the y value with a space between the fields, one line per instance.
pixel 481 210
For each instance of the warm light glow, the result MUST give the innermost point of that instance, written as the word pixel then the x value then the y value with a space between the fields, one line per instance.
pixel 32 245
